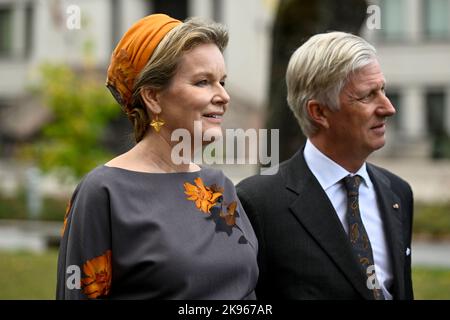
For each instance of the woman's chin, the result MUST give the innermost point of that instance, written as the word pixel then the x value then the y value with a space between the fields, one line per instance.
pixel 211 133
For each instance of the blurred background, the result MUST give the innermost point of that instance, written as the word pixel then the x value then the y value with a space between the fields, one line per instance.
pixel 58 120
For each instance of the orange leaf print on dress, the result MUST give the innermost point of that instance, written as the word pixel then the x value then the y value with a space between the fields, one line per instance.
pixel 207 197
pixel 98 280
pixel 66 216
pixel 204 197
pixel 230 216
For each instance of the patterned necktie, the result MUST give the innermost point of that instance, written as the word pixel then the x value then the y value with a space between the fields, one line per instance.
pixel 359 239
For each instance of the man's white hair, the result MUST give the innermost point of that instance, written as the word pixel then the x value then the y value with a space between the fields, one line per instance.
pixel 320 68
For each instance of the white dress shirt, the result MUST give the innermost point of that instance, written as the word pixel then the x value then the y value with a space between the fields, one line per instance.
pixel 329 174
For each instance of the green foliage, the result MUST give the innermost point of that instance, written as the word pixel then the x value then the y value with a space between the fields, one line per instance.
pixel 81 107
pixel 53 209
pixel 19 280
pixel 25 275
pixel 431 283
pixel 432 220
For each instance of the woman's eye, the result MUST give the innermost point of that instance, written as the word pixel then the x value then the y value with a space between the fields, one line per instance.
pixel 201 83
pixel 222 83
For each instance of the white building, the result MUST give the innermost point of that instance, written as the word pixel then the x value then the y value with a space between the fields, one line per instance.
pixel 413 43
pixel 36 31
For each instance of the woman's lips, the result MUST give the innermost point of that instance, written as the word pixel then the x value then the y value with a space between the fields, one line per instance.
pixel 213 117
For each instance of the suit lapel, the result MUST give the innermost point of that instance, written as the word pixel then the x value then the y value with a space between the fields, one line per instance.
pixel 390 207
pixel 315 212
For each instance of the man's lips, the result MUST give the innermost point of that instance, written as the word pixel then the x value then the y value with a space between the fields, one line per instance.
pixel 379 126
pixel 379 129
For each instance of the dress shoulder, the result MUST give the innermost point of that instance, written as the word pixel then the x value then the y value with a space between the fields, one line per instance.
pixel 85 243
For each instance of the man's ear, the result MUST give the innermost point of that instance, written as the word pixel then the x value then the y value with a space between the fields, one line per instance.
pixel 318 113
pixel 150 97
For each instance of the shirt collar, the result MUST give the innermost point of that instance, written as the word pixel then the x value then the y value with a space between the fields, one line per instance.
pixel 328 172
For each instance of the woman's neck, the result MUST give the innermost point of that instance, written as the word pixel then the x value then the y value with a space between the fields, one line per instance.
pixel 152 154
pixel 156 151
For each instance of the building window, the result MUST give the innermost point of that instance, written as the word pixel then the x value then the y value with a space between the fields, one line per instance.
pixel 393 20
pixel 437 15
pixel 12 44
pixel 177 9
pixel 435 104
pixel 6 44
pixel 217 10
pixel 115 23
pixel 29 23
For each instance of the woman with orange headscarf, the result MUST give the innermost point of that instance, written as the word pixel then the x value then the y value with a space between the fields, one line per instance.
pixel 143 226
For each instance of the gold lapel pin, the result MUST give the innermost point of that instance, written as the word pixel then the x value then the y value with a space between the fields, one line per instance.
pixel 395 206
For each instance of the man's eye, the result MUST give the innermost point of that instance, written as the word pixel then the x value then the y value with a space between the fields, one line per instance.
pixel 366 97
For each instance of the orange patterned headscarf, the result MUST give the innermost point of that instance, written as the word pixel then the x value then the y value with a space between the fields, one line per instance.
pixel 133 52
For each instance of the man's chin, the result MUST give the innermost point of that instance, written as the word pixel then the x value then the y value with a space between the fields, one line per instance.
pixel 378 145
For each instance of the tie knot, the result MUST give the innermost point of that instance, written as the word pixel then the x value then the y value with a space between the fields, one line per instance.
pixel 351 184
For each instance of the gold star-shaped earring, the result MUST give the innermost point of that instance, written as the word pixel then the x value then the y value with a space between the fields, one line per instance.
pixel 157 123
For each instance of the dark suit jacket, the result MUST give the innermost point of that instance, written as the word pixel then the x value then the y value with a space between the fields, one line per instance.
pixel 304 252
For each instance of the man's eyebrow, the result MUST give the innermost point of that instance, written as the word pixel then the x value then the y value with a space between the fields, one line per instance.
pixel 375 86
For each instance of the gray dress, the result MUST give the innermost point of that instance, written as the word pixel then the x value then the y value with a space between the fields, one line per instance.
pixel 134 235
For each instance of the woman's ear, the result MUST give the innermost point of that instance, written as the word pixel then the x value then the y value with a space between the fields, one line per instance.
pixel 150 97
pixel 318 113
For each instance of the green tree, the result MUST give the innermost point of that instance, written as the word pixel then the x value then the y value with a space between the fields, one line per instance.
pixel 295 22
pixel 81 107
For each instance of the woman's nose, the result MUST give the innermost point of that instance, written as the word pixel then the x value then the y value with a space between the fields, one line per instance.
pixel 221 96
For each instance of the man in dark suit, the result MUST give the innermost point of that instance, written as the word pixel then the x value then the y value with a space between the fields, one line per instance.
pixel 330 225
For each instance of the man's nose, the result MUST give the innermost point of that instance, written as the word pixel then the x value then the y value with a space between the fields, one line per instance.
pixel 386 108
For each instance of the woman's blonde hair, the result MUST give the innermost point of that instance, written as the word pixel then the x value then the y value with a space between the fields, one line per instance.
pixel 164 61
pixel 320 68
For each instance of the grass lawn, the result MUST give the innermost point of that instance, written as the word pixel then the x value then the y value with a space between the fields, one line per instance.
pixel 431 283
pixel 25 275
